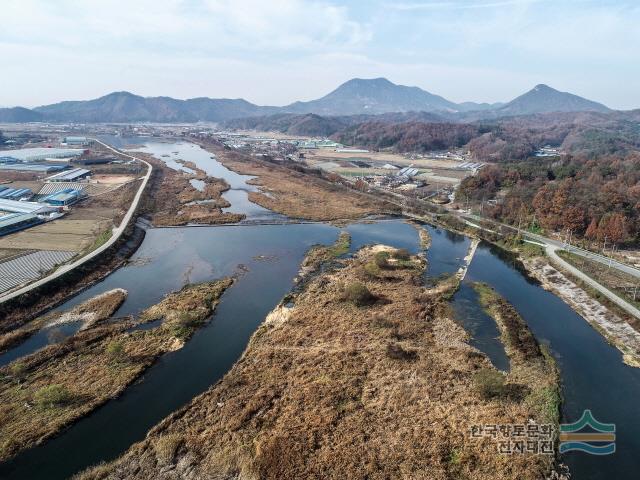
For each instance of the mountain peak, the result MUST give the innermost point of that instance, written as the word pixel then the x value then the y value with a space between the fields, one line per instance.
pixel 122 93
pixel 543 87
pixel 369 81
pixel 544 99
pixel 373 96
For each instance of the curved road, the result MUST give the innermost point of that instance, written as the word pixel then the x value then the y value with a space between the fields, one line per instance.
pixel 115 235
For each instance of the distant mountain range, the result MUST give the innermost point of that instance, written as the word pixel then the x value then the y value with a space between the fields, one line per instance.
pixel 355 97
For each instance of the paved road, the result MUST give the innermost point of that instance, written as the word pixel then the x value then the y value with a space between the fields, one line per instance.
pixel 551 252
pixel 561 245
pixel 115 236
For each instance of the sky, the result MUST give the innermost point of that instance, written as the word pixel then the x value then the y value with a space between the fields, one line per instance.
pixel 274 52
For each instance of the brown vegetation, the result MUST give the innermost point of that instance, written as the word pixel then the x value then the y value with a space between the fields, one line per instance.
pixel 332 389
pixel 42 393
pixel 296 194
pixel 619 327
pixel 319 254
pixel 533 375
pixel 593 198
pixel 172 200
pixel 91 312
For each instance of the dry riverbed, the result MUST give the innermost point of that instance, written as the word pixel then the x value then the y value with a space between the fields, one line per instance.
pixel 44 392
pixel 366 376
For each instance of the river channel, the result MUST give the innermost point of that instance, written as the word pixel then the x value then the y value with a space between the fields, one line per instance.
pixel 266 259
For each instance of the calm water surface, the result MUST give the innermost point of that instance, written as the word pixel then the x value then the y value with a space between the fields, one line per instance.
pixel 593 374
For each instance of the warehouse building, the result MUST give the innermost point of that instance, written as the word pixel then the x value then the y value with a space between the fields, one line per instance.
pixel 32 167
pixel 15 206
pixel 73 175
pixel 17 221
pixel 95 160
pixel 75 141
pixel 15 193
pixel 38 154
pixel 64 197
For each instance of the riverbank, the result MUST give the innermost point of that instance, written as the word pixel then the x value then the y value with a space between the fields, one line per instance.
pixel 89 313
pixel 42 393
pixel 530 364
pixel 616 330
pixel 381 384
pixel 320 254
pixel 297 194
pixel 618 327
pixel 173 199
pixel 18 312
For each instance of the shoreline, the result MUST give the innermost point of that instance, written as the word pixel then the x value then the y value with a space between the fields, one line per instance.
pixel 42 303
pixel 370 355
pixel 615 330
pixel 111 357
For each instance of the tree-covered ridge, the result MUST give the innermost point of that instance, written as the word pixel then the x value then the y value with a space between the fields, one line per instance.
pixel 591 197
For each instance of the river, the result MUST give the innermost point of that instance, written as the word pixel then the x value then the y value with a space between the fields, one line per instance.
pixel 266 259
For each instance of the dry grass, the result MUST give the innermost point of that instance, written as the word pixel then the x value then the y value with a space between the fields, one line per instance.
pixel 171 193
pixel 319 254
pixel 616 325
pixel 336 390
pixel 63 234
pixel 8 253
pixel 78 230
pixel 624 285
pixel 298 195
pixel 531 366
pixel 90 370
pixel 92 311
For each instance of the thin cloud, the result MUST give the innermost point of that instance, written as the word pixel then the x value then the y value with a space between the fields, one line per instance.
pixel 460 6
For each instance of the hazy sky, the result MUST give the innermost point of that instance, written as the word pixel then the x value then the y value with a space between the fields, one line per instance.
pixel 277 51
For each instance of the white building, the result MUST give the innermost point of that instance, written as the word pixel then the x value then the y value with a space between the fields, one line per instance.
pixel 36 154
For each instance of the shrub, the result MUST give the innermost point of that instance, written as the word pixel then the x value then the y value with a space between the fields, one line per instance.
pixel 166 448
pixel 115 351
pixel 379 321
pixel 52 396
pixel 371 269
pixel 401 254
pixel 18 371
pixel 381 259
pixel 185 325
pixel 489 383
pixel 396 352
pixel 189 320
pixel 358 294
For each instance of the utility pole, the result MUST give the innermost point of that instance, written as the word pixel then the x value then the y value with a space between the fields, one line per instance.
pixel 605 244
